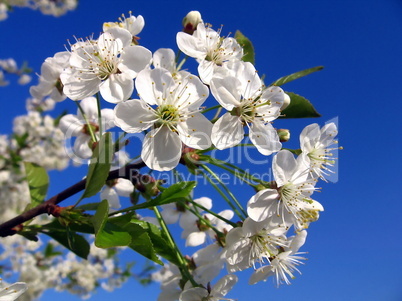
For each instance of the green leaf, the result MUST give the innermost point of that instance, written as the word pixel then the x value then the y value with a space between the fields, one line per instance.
pixel 159 241
pixel 299 107
pixel 142 239
pixel 175 192
pixel 247 47
pixel 292 77
pixel 99 167
pixel 72 241
pixel 107 234
pixel 38 182
pixel 171 194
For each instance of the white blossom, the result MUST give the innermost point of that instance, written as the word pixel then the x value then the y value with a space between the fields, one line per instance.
pixel 172 113
pixel 211 51
pixel 107 65
pixel 249 103
pixel 291 199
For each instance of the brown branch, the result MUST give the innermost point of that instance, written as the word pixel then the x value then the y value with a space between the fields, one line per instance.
pixel 12 226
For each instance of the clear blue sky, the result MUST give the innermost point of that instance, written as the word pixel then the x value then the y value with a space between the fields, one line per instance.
pixel 355 250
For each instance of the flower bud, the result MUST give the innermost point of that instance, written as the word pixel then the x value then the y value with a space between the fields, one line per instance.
pixel 286 101
pixel 191 21
pixel 284 135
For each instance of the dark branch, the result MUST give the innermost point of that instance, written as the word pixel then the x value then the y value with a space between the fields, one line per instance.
pixel 130 172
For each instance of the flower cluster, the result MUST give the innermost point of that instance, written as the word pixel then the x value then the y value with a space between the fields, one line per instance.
pixel 170 113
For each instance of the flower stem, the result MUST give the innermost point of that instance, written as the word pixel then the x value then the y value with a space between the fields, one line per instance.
pixel 99 113
pixel 214 214
pixel 91 132
pixel 183 264
pixel 240 215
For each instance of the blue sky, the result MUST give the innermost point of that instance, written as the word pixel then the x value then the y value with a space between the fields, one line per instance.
pixel 354 249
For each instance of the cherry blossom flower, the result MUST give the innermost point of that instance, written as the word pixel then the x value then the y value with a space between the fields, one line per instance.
pixel 248 103
pixel 172 113
pixel 314 143
pixel 133 24
pixel 291 199
pixel 49 81
pixel 76 126
pixel 216 293
pixel 252 243
pixel 284 264
pixel 107 65
pixel 211 51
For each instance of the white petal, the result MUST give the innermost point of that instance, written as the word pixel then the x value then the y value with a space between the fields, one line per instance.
pixel 196 131
pixel 206 70
pixel 223 286
pixel 13 291
pixel 249 79
pixel 77 85
pixel 283 167
pixel 117 87
pixel 309 136
pixel 265 138
pixel 190 45
pixel 161 149
pixel 262 205
pixel 192 93
pixel 107 118
pixel 81 148
pixel 109 194
pixel 70 125
pixel 227 131
pixel 298 241
pixel 195 239
pixel 124 187
pixel 204 201
pixel 227 92
pixel 90 107
pixel 194 294
pixel 153 84
pixel 133 116
pixel 261 274
pixel 118 33
pixel 134 59
pixel 164 58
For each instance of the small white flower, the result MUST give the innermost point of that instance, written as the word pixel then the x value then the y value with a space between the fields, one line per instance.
pixel 107 65
pixel 133 24
pixel 248 103
pixel 291 199
pixel 284 264
pixel 252 243
pixel 211 51
pixel 49 81
pixel 316 152
pixel 76 126
pixel 172 113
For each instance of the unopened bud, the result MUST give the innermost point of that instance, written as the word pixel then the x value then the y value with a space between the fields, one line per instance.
pixel 190 21
pixel 286 101
pixel 284 135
